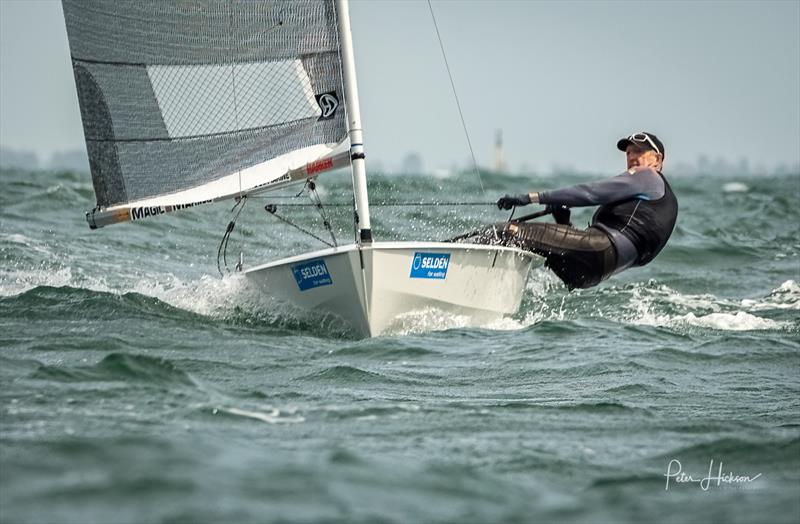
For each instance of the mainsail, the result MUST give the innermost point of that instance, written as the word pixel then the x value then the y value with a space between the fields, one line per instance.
pixel 194 101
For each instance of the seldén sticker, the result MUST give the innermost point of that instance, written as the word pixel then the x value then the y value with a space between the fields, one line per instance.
pixel 430 265
pixel 311 274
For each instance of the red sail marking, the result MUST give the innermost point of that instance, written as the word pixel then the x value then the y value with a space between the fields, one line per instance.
pixel 320 165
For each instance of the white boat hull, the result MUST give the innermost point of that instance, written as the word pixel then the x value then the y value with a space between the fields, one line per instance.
pixel 369 288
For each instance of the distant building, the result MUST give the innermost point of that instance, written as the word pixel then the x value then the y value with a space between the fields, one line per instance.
pixel 12 159
pixel 412 164
pixel 76 160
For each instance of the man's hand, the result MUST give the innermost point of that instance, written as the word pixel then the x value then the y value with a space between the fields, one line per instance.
pixel 561 214
pixel 509 201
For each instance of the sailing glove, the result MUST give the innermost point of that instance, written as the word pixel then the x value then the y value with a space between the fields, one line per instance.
pixel 561 214
pixel 509 201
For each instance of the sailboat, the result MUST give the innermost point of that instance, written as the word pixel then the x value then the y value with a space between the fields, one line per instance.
pixel 188 103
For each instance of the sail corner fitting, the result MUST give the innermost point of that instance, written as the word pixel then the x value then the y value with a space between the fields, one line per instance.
pixel 90 219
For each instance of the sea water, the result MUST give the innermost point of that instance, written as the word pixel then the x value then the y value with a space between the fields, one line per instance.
pixel 137 385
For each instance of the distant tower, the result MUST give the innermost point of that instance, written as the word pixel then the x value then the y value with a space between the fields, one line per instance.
pixel 499 154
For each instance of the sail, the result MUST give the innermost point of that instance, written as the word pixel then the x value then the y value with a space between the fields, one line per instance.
pixel 185 102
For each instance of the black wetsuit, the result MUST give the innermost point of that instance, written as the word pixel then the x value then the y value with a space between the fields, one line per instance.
pixel 636 217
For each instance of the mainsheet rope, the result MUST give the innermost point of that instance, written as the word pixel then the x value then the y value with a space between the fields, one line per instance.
pixel 381 204
pixel 222 250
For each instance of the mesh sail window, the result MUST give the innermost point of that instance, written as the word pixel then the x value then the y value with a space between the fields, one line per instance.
pixel 190 100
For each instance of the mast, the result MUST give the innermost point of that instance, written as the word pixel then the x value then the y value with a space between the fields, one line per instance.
pixel 354 121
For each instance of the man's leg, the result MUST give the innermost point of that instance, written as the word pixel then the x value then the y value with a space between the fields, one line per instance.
pixel 580 258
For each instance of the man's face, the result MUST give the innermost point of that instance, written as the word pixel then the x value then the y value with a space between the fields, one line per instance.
pixel 638 156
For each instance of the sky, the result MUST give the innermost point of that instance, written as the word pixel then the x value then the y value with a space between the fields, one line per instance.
pixel 563 80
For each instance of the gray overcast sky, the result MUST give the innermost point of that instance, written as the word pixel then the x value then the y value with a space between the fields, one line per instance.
pixel 563 80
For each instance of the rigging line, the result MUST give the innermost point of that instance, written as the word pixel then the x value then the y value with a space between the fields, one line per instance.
pixel 455 95
pixel 355 218
pixel 352 203
pixel 312 193
pixel 223 245
pixel 269 208
pixel 356 235
pixel 379 204
pixel 227 236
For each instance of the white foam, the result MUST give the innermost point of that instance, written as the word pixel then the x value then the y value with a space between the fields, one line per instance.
pixel 706 311
pixel 15 281
pixel 542 286
pixel 649 304
pixel 735 187
pixel 205 296
pixel 433 319
pixel 785 296
pixel 539 286
pixel 17 238
pixel 506 324
pixel 739 321
pixel 273 417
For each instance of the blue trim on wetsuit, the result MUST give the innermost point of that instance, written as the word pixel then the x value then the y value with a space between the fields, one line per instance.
pixel 627 253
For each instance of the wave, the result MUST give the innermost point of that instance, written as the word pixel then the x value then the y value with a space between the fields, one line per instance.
pixel 433 319
pixel 658 305
pixel 59 303
pixel 723 354
pixel 370 351
pixel 64 293
pixel 635 389
pixel 344 374
pixel 15 281
pixel 607 408
pixel 49 294
pixel 120 367
pixel 735 187
pixel 270 416
pixel 785 296
pixel 369 412
pixel 14 367
pixel 731 450
pixel 661 306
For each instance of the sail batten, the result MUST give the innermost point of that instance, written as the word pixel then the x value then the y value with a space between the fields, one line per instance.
pixel 276 174
pixel 178 97
pixel 176 138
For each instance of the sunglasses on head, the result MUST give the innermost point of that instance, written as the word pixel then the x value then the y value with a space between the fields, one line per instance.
pixel 644 138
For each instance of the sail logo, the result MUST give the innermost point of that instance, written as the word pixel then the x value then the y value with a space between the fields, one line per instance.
pixel 430 265
pixel 328 103
pixel 311 274
pixel 140 212
pixel 282 178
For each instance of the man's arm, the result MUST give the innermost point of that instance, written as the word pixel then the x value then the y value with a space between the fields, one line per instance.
pixel 644 183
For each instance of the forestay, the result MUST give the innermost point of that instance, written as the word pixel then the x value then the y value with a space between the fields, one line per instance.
pixel 189 102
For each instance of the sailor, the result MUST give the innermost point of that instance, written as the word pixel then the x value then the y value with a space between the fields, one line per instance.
pixel 635 219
